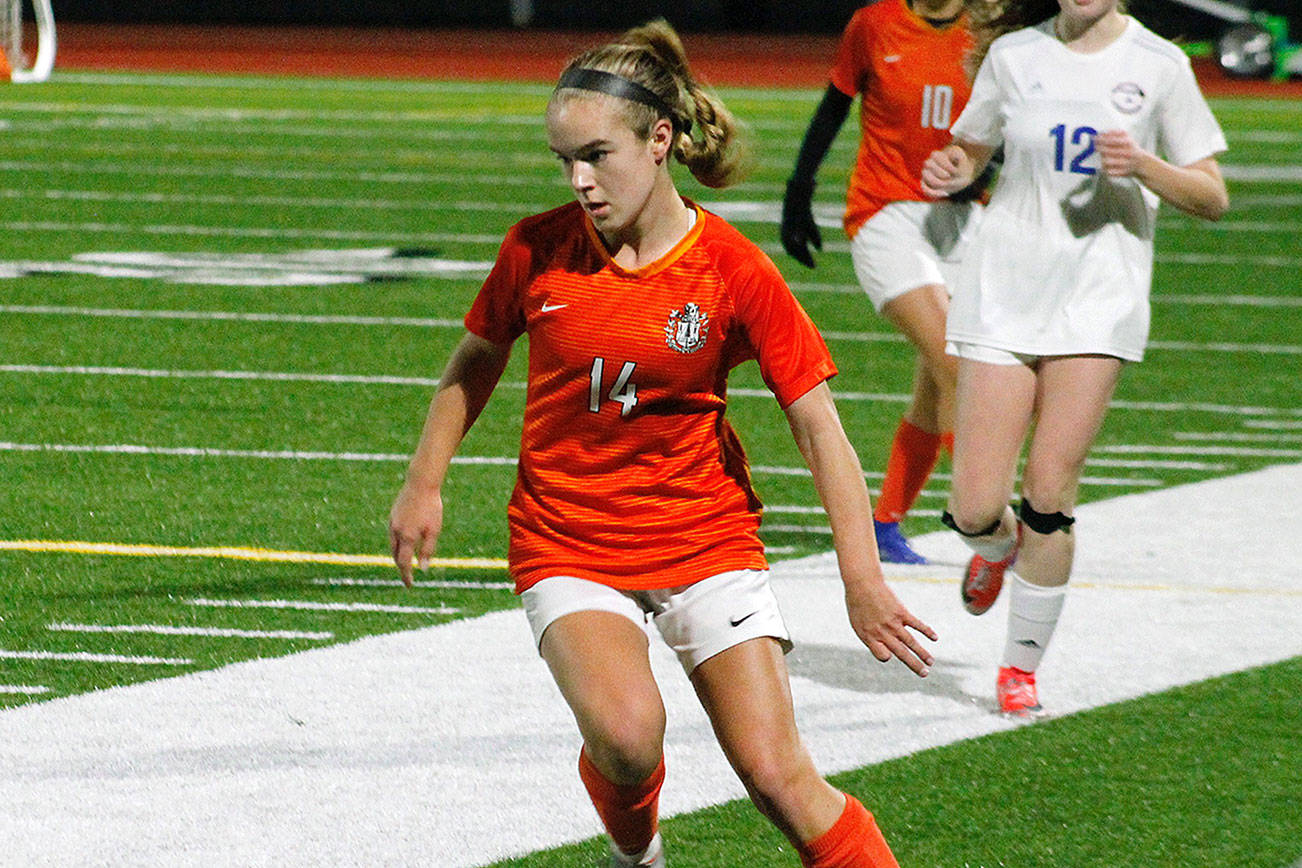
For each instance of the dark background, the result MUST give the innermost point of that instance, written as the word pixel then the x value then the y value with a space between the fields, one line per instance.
pixel 807 16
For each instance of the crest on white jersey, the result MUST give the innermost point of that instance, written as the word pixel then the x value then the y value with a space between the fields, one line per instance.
pixel 1128 97
pixel 687 328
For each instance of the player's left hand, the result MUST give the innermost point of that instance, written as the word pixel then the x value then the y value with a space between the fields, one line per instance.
pixel 1118 153
pixel 799 230
pixel 884 625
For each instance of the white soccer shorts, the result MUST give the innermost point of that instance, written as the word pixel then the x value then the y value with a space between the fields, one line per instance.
pixel 697 621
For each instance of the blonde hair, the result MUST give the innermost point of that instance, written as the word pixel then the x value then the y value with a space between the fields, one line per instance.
pixel 707 138
pixel 991 19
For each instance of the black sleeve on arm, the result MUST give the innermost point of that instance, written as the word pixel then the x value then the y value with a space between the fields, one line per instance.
pixel 823 127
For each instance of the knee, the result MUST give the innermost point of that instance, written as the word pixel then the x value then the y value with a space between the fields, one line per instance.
pixel 626 747
pixel 774 778
pixel 1044 522
pixel 973 521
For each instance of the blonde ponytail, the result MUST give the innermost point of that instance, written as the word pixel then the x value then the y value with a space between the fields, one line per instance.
pixel 707 139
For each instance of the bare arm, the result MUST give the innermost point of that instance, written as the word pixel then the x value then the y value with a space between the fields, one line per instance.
pixel 1196 189
pixel 954 167
pixel 878 617
pixel 416 518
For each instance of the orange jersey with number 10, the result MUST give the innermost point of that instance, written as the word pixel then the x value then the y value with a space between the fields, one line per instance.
pixel 910 75
pixel 629 474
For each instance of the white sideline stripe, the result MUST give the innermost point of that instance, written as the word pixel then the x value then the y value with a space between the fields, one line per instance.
pixel 471 460
pixel 1228 300
pixel 1223 347
pixel 234 316
pixel 83 547
pixel 1274 424
pixel 165 630
pixel 312 606
pixel 432 583
pixel 86 657
pixel 1237 437
pixel 1237 451
pixel 422 205
pixel 436 714
pixel 24 689
pixel 325 319
pixel 404 178
pixel 192 230
pixel 251 232
pixel 272 376
pixel 1236 300
pixel 738 392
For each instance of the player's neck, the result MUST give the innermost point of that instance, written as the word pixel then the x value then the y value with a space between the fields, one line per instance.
pixel 664 222
pixel 938 12
pixel 1088 35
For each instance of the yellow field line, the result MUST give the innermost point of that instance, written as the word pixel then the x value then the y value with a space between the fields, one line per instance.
pixel 232 552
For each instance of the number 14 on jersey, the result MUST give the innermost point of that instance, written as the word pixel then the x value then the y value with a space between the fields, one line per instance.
pixel 623 391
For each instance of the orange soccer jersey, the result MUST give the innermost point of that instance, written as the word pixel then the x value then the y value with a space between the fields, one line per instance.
pixel 910 74
pixel 629 474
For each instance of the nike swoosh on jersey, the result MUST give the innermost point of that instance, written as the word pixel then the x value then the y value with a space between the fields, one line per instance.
pixel 548 308
pixel 737 621
pixel 891 58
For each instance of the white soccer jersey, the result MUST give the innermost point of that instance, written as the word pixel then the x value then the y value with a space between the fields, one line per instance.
pixel 1062 261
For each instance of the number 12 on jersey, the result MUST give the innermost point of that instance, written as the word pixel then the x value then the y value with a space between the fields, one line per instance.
pixel 622 391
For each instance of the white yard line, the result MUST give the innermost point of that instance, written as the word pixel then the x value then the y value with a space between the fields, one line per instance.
pixel 405 748
pixel 434 584
pixel 169 630
pixel 314 606
pixel 24 689
pixel 402 458
pixel 86 657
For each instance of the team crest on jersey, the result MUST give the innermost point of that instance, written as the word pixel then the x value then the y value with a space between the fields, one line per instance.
pixel 1128 97
pixel 687 328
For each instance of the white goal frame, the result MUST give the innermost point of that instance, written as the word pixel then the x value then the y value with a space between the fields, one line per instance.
pixel 12 28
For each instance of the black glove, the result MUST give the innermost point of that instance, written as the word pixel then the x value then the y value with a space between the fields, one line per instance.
pixel 798 227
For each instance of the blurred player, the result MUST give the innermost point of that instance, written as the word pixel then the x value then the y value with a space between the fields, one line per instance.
pixel 1052 299
pixel 905 59
pixel 633 499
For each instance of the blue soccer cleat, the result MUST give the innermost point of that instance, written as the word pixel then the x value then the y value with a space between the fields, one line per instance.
pixel 892 547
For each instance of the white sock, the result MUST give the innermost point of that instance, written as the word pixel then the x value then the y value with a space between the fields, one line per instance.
pixel 993 547
pixel 1032 616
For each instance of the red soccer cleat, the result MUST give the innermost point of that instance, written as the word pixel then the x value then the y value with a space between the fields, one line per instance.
pixel 1015 690
pixel 984 579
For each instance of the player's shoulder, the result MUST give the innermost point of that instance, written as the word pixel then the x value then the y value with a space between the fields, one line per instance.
pixel 1025 40
pixel 1148 41
pixel 732 255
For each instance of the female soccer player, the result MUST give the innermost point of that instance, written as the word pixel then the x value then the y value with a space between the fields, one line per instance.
pixel 633 498
pixel 905 57
pixel 1053 295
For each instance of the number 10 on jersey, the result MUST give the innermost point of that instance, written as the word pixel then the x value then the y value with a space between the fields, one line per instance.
pixel 937 106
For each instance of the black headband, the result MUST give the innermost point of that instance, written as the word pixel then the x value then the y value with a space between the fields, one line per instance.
pixel 617 85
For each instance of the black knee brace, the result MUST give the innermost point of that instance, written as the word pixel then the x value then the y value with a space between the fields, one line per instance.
pixel 1044 522
pixel 947 519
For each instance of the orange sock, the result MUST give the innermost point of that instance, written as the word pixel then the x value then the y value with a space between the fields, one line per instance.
pixel 5 70
pixel 854 841
pixel 913 455
pixel 630 814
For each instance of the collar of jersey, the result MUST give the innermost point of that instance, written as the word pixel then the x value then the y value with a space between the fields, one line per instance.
pixel 660 264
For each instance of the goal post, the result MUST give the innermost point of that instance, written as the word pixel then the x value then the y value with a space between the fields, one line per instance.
pixel 16 32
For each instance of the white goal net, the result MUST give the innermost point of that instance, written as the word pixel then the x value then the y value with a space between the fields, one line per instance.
pixel 27 39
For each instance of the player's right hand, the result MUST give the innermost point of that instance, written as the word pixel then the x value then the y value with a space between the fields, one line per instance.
pixel 945 171
pixel 798 227
pixel 415 522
